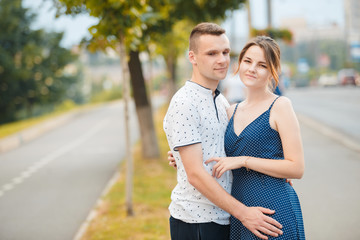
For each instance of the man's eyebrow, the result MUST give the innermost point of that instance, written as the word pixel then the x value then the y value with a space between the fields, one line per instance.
pixel 217 50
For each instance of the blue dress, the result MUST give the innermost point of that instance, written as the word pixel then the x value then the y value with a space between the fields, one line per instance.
pixel 255 189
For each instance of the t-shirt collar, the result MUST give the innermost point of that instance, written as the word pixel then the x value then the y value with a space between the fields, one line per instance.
pixel 202 89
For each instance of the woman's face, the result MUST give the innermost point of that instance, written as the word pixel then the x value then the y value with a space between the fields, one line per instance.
pixel 254 71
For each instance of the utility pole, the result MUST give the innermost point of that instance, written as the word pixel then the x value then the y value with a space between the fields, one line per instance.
pixel 129 159
pixel 247 4
pixel 269 15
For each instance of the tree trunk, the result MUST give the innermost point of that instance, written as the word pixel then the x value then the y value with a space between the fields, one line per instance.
pixel 129 158
pixel 149 142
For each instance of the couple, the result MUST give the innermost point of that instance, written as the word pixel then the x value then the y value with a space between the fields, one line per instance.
pixel 258 139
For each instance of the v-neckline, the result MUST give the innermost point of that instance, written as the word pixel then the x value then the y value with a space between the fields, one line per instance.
pixel 233 123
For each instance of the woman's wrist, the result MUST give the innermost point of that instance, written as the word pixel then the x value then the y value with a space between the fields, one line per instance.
pixel 246 163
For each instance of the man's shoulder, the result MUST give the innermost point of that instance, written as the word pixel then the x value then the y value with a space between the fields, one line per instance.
pixel 185 95
pixel 223 101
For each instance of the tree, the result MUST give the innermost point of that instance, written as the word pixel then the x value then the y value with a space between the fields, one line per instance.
pixel 126 20
pixel 136 22
pixel 170 46
pixel 31 63
pixel 187 14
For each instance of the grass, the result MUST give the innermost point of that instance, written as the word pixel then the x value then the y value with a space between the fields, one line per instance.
pixel 153 182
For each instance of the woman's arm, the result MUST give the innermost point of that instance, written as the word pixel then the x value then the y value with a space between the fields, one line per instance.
pixel 283 119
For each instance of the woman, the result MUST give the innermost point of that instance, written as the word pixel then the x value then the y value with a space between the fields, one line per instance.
pixel 263 143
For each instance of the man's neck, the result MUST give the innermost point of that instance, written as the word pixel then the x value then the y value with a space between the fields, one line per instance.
pixel 210 84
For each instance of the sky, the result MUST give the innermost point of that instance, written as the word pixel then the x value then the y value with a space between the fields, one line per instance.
pixel 316 12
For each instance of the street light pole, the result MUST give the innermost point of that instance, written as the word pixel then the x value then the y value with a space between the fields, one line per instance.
pixel 269 15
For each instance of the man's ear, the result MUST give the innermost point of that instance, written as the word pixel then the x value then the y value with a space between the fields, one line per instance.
pixel 192 57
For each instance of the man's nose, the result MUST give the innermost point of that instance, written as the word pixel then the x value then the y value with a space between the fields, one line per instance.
pixel 222 58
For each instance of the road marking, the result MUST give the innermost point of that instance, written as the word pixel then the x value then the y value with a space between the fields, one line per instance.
pixel 51 157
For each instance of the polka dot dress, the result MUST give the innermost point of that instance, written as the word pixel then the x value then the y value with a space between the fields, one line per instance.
pixel 252 188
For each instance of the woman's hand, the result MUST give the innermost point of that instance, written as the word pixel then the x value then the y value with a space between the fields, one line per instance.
pixel 224 164
pixel 171 160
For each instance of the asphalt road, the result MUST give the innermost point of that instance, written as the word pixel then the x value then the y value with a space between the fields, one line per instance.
pixel 48 186
pixel 329 191
pixel 336 107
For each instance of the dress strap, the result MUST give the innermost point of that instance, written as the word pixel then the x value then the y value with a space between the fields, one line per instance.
pixel 235 110
pixel 273 103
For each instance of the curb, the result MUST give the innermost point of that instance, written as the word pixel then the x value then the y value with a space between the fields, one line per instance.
pixel 331 132
pixel 94 212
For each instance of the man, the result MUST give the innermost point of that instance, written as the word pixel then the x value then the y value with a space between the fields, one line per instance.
pixel 195 125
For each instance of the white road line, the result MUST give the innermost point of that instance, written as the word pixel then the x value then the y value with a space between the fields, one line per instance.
pixel 51 157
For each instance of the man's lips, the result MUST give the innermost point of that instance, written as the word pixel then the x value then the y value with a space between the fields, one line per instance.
pixel 221 69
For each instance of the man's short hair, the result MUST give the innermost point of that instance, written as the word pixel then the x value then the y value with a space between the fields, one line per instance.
pixel 203 29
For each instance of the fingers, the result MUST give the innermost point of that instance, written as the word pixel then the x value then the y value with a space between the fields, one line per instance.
pixel 266 210
pixel 275 225
pixel 171 160
pixel 218 170
pixel 270 229
pixel 173 164
pixel 289 181
pixel 259 235
pixel 211 160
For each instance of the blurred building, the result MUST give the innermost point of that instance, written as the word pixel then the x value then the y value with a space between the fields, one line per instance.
pixel 352 19
pixel 302 32
pixel 352 26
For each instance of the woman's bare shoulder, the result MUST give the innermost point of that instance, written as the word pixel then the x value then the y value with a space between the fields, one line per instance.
pixel 230 110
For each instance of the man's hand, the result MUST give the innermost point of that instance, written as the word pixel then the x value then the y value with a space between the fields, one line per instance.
pixel 171 160
pixel 258 223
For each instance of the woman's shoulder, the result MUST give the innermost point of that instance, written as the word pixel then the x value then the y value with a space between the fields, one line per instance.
pixel 283 105
pixel 230 110
pixel 282 102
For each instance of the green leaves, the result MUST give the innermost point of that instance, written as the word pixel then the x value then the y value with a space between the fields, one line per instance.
pixel 31 63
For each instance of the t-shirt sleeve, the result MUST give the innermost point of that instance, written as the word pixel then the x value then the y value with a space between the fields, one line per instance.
pixel 182 124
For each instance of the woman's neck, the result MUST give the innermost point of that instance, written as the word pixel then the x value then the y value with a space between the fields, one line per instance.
pixel 255 96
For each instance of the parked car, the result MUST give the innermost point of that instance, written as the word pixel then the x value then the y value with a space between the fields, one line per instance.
pixel 328 79
pixel 347 76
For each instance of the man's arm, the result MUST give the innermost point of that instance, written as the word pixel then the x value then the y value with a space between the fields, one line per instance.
pixel 253 218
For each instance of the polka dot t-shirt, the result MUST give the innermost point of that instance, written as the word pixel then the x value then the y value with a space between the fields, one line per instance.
pixel 196 116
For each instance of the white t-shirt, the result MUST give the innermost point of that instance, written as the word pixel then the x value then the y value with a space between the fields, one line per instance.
pixel 195 116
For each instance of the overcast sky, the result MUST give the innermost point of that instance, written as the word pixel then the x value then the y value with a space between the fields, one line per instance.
pixel 316 12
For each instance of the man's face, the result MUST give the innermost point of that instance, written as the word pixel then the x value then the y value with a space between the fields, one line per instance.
pixel 212 56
